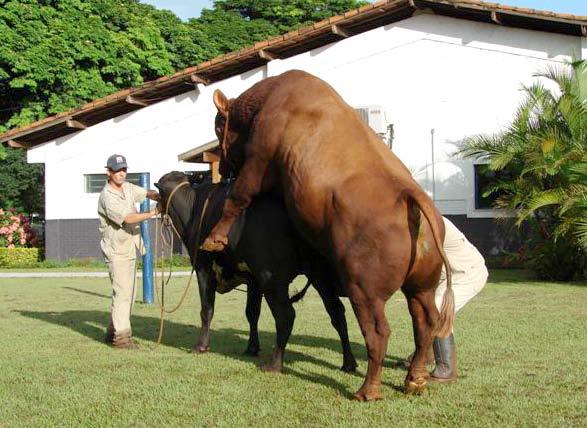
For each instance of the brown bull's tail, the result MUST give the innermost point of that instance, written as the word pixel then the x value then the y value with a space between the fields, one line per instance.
pixel 447 310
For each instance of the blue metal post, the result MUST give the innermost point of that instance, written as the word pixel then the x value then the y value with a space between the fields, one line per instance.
pixel 148 257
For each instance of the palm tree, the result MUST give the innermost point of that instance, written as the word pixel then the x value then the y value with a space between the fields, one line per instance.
pixel 545 151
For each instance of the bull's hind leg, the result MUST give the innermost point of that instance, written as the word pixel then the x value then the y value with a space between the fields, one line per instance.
pixel 284 315
pixel 424 317
pixel 247 185
pixel 371 316
pixel 253 311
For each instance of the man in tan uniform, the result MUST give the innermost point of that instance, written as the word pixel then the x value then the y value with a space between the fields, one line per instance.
pixel 119 226
pixel 469 276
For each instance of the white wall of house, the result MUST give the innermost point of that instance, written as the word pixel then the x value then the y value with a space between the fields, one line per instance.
pixel 454 76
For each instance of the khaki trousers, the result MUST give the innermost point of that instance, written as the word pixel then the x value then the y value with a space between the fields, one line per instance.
pixel 124 291
pixel 465 285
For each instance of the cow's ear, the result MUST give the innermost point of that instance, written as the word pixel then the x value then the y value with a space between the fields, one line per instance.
pixel 221 102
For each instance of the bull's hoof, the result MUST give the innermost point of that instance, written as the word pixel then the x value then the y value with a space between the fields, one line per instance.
pixel 271 368
pixel 217 243
pixel 415 386
pixel 251 352
pixel 199 349
pixel 369 393
pixel 349 367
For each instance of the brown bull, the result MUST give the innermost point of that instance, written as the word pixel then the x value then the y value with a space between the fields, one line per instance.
pixel 349 196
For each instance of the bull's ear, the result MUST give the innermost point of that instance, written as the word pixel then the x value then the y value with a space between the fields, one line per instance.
pixel 221 102
pixel 157 185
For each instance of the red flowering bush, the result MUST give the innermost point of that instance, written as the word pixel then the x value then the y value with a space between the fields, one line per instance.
pixel 15 231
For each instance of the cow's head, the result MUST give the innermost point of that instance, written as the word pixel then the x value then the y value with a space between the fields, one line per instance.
pixel 231 141
pixel 166 184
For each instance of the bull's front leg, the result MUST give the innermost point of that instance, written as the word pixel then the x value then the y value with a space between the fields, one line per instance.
pixel 207 289
pixel 246 186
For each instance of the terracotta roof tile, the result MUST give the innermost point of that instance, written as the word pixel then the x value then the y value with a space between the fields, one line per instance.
pixel 351 13
pixel 335 19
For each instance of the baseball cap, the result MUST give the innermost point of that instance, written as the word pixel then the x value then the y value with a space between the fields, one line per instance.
pixel 116 163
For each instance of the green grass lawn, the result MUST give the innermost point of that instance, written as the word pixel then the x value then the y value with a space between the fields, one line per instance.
pixel 522 349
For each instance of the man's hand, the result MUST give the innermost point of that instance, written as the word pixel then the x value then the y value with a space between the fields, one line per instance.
pixel 138 217
pixel 153 195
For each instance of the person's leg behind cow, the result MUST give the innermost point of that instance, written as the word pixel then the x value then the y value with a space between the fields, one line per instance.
pixel 466 285
pixel 469 276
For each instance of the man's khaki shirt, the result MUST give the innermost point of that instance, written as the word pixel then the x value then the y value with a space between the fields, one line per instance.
pixel 120 241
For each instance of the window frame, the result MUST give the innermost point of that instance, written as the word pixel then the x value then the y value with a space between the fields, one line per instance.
pixel 473 210
pixel 101 178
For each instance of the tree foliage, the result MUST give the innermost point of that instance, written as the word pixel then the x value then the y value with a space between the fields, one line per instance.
pixel 21 184
pixel 545 149
pixel 56 55
pixel 286 15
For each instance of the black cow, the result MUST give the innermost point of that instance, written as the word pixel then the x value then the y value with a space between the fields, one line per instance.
pixel 265 253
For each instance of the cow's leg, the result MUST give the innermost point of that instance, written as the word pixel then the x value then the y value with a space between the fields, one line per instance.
pixel 207 288
pixel 253 311
pixel 284 315
pixel 247 185
pixel 370 313
pixel 336 311
pixel 421 306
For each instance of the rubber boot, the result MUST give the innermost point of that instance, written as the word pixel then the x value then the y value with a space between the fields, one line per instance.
pixel 123 340
pixel 446 360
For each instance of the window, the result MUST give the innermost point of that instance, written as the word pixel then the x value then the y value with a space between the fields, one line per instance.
pixel 484 178
pixel 94 183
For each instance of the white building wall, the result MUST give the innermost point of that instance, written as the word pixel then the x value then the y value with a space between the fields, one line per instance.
pixel 428 72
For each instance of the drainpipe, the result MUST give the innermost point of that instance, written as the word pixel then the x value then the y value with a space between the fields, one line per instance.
pixel 433 174
pixel 146 235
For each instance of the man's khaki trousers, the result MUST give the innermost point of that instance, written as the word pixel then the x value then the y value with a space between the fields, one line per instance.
pixel 124 291
pixel 465 285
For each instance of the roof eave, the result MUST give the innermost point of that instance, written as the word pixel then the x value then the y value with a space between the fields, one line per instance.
pixel 319 34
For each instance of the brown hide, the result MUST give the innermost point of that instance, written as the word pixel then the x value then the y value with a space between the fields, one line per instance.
pixel 350 197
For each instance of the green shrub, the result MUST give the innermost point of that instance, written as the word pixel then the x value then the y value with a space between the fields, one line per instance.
pixel 19 257
pixel 177 260
pixel 15 230
pixel 85 262
pixel 558 260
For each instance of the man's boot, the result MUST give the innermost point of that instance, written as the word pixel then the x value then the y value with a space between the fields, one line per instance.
pixel 446 360
pixel 110 334
pixel 123 340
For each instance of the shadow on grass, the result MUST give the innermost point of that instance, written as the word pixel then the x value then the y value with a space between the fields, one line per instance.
pixel 91 293
pixel 228 342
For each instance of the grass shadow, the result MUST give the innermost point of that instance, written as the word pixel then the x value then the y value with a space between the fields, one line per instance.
pixel 91 293
pixel 228 342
